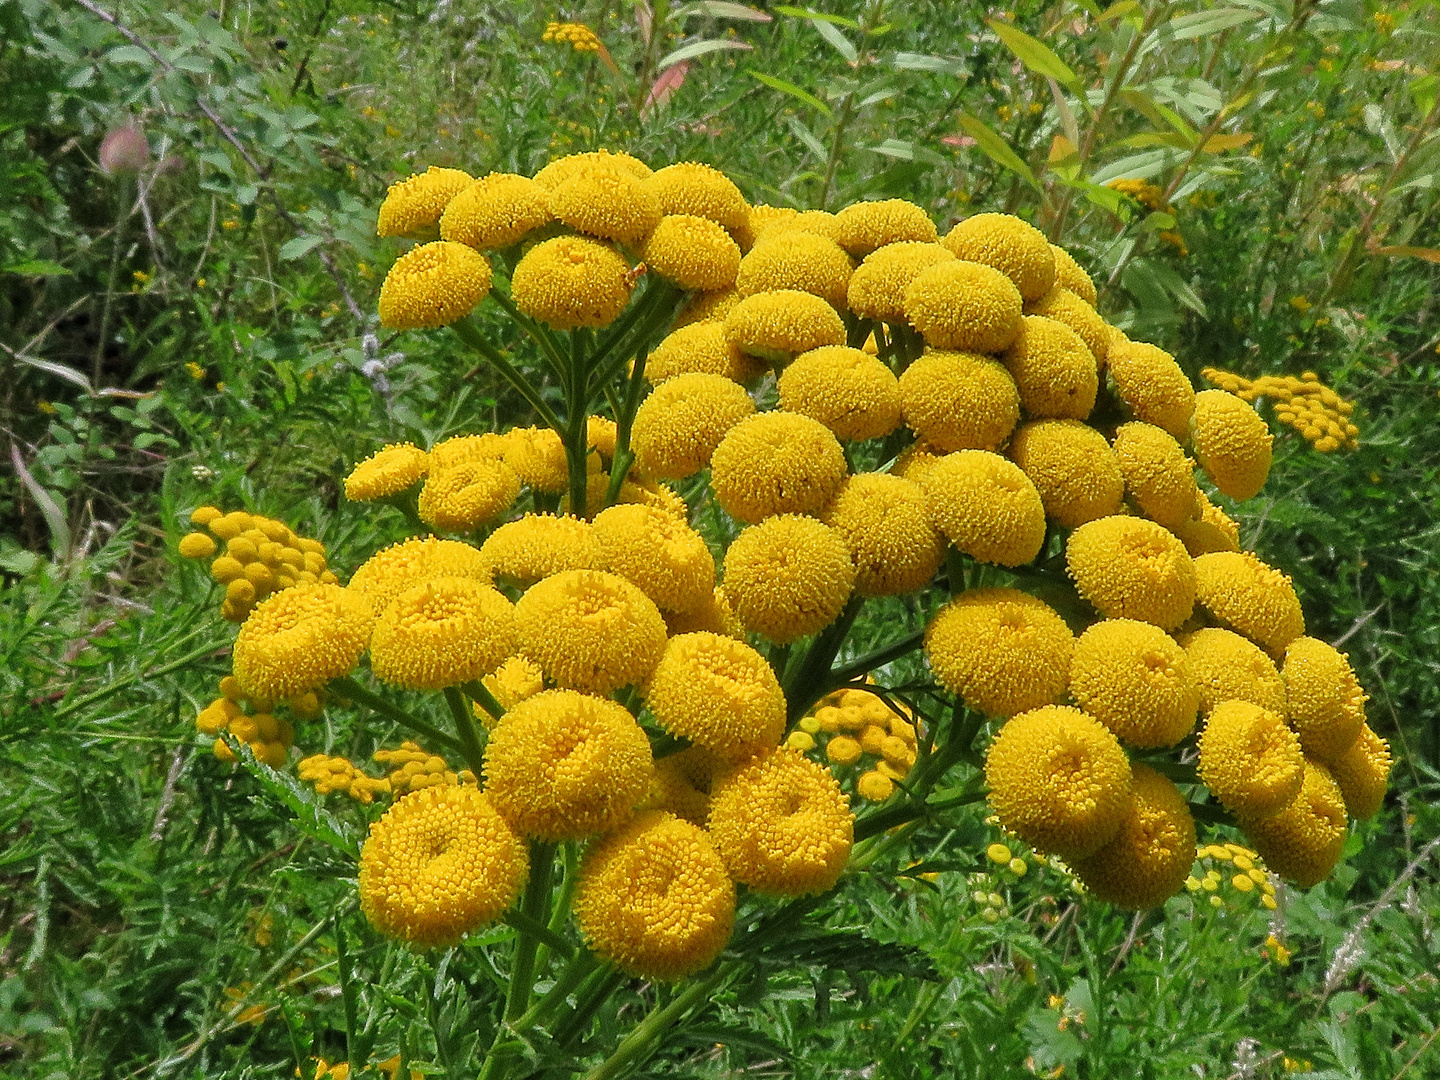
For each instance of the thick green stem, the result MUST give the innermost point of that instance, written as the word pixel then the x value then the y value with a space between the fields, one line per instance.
pixel 851 671
pixel 811 679
pixel 588 999
pixel 347 687
pixel 560 911
pixel 465 728
pixel 535 905
pixel 575 973
pixel 638 1042
pixel 467 332
pixel 542 337
pixel 486 700
pixel 576 434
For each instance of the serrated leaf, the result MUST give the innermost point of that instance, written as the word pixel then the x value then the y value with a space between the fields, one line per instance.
pixel 790 88
pixel 311 818
pixel 297 246
pixel 996 148
pixel 1033 53
pixel 700 48
pixel 1204 23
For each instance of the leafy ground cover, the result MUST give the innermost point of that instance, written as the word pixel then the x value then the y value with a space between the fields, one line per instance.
pixel 195 326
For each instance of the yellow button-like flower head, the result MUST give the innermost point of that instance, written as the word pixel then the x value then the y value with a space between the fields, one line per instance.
pixel 538 457
pixel 563 765
pixel 1072 467
pixel 1134 679
pixel 439 864
pixel 570 281
pixel 1232 443
pixel 690 187
pixel 1002 651
pixel 782 824
pixel 701 347
pixel 1059 781
pixel 1014 247
pixel 511 683
pixel 433 285
pixel 496 212
pixel 1327 706
pixel 1151 855
pixel 537 546
pixel 1152 384
pixel 864 226
pixel 693 252
pixel 654 899
pixel 413 206
pixel 778 326
pixel 1250 760
pixel 796 260
pixel 850 392
pixel 1064 306
pixel 467 495
pixel 1070 275
pixel 1158 475
pixel 681 785
pixel 612 205
pixel 788 577
pixel 877 287
pixel 678 427
pixel 1302 843
pixel 565 168
pixel 668 560
pixel 1250 597
pixel 1214 530
pixel 964 305
pixel 985 506
pixel 884 521
pixel 444 632
pixel 299 639
pixel 196 545
pixel 389 471
pixel 1227 667
pixel 590 630
pixel 400 567
pixel 959 401
pixel 1132 569
pixel 719 693
pixel 776 463
pixel 1362 772
pixel 1053 369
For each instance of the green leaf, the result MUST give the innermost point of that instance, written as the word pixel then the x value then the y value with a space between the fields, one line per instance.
pixel 806 13
pixel 905 150
pixel 129 54
pixel 297 246
pixel 790 88
pixel 311 817
pixel 805 135
pixel 36 268
pixel 853 951
pixel 1204 23
pixel 1034 54
pixel 943 65
pixel 723 9
pixel 1423 91
pixel 700 48
pixel 996 148
pixel 838 41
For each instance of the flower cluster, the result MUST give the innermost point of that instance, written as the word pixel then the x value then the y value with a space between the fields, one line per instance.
pixel 577 35
pixel 1318 413
pixel 261 556
pixel 870 739
pixel 268 736
pixel 1232 874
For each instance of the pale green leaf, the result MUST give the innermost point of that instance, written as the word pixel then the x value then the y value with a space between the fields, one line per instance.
pixel 700 48
pixel 1204 23
pixel 996 148
pixel 776 83
pixel 1034 54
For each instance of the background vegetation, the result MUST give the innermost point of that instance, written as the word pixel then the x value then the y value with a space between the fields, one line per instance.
pixel 196 326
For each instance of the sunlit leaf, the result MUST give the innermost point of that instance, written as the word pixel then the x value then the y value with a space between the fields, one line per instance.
pixel 1034 54
pixel 700 48
pixel 776 83
pixel 1218 144
pixel 1204 23
pixel 996 148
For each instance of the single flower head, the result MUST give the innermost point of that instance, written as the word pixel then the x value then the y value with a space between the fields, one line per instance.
pixel 778 326
pixel 1250 760
pixel 1227 667
pixel 1053 369
pixel 1158 475
pixel 1250 597
pixel 389 471
pixel 1152 852
pixel 959 401
pixel 1013 247
pixel 571 281
pixel 1132 569
pixel 776 463
pixel 1326 704
pixel 865 226
pixel 965 306
pixel 1002 651
pixel 796 260
pixel 301 638
pixel 1152 385
pixel 719 693
pixel 682 421
pixel 884 521
pixel 496 211
pixel 877 287
pixel 1302 843
pixel 985 506
pixel 1134 679
pixel 413 206
pixel 433 285
pixel 850 392
pixel 444 632
pixel 1232 443
pixel 694 252
pixel 1073 469
pixel 788 577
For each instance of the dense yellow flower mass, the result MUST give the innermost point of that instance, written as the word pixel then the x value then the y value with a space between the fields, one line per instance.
pixel 778 326
pixel 719 693
pixel 444 632
pixel 1323 417
pixel 1232 443
pixel 1302 842
pixel 1227 667
pixel 985 506
pixel 433 285
pixel 693 252
pixel 569 281
pixel 538 545
pixel 400 567
pixel 800 261
pixel 1158 475
pixel 884 521
pixel 701 347
pixel 496 211
pixel 1152 385
pixel 1065 307
pixel 1002 651
pixel 563 765
pixel 877 287
pixel 1135 679
pixel 590 630
pixel 964 305
pixel 654 898
pixel 864 227
pixel 1250 597
pixel 1132 569
pixel 1053 369
pixel 1326 704
pixel 959 401
pixel 776 463
pixel 782 824
pixel 850 392
pixel 1250 760
pixel 389 471
pixel 788 577
pixel 1073 469
pixel 439 864
pixel 413 206
pixel 299 639
pixel 668 560
pixel 612 205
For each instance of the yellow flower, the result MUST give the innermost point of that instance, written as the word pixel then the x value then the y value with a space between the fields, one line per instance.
pixel 877 287
pixel 1214 530
pixel 959 401
pixel 1232 443
pixel 537 546
pixel 301 638
pixel 689 187
pixel 196 545
pixel 512 682
pixel 874 786
pixel 795 260
pixel 389 471
pixel 764 217
pixel 985 506
pixel 1226 667
pixel 715 614
pixel 850 392
pixel 1015 248
pixel 884 522
pixel 1250 597
pixel 204 515
pixel 777 326
pixel 1132 569
pixel 700 347
pixel 668 560
pixel 843 750
pixel 1302 843
pixel 1072 467
pixel 681 785
pixel 782 824
pixel 400 567
pixel 496 211
pixel 609 204
pixel 1149 858
pixel 1002 651
pixel 682 421
pixel 776 463
pixel 433 285
pixel 1065 307
pixel 693 252
pixel 563 765
pixel 1053 369
pixel 1326 704
pixel 1135 680
pixel 413 206
pixel 590 630
pixel 439 864
pixel 708 307
pixel 579 36
pixel 1151 383
pixel 538 456
pixel 1362 772
pixel 1059 781
pixel 1070 275
pixel 466 496
pixel 564 168
pixel 788 577
pixel 1250 760
pixel 654 898
pixel 444 632
pixel 964 305
pixel 719 693
pixel 864 226
pixel 570 281
pixel 195 371
pixel 1158 475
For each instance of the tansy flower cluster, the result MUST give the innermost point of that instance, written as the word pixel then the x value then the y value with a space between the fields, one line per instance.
pixel 579 36
pixel 1228 875
pixel 261 556
pixel 868 739
pixel 251 719
pixel 1318 413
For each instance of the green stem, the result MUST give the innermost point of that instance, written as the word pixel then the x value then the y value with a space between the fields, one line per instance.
pixel 810 681
pixel 465 728
pixel 560 912
pixel 575 434
pixel 848 673
pixel 467 332
pixel 121 683
pixel 660 302
pixel 599 986
pixel 554 355
pixel 576 972
pixel 345 686
pixel 476 689
pixel 535 905
pixel 659 1021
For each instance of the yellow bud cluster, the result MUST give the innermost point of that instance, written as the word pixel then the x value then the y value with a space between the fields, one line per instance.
pixel 1151 196
pixel 1227 875
pixel 268 736
pixel 870 738
pixel 1318 413
pixel 577 35
pixel 412 769
pixel 261 556
pixel 340 774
